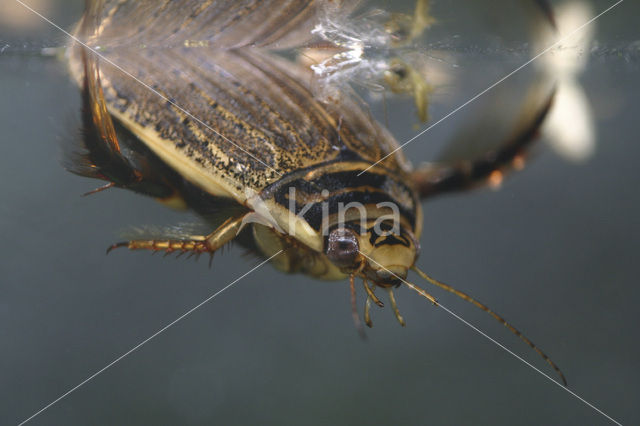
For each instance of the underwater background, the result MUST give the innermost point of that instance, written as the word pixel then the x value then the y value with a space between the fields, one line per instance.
pixel 555 251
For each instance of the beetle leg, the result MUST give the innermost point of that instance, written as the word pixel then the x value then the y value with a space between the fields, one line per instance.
pixel 371 295
pixel 489 169
pixel 367 304
pixel 422 19
pixel 421 91
pixel 103 158
pixel 405 29
pixel 195 245
pixel 396 312
pixel 367 314
pixel 100 155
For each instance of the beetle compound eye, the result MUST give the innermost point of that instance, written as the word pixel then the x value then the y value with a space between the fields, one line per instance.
pixel 342 247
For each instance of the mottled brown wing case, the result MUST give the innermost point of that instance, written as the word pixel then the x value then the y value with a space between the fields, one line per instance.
pixel 261 119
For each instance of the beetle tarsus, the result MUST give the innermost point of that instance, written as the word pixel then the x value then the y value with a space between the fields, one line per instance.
pixel 396 311
pixel 195 245
pixel 117 245
pixel 371 295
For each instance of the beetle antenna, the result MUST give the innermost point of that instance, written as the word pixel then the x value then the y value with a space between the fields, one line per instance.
pixel 497 317
pixel 421 291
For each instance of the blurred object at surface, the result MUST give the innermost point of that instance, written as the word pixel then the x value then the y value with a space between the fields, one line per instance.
pixel 18 18
pixel 377 49
pixel 570 127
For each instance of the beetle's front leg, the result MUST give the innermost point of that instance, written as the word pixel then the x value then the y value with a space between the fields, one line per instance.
pixel 195 244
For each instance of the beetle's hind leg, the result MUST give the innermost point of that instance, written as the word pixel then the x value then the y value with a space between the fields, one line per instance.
pixel 466 172
pixel 193 244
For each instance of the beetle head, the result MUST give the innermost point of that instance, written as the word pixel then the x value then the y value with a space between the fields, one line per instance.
pixel 381 256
